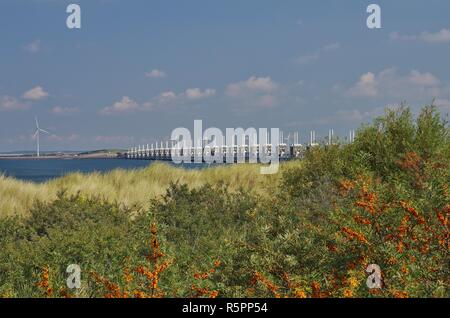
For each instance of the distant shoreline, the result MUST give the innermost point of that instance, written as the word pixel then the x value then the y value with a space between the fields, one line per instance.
pixel 58 157
pixel 66 156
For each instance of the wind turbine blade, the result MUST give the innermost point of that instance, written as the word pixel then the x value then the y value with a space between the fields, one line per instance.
pixel 37 123
pixel 35 133
pixel 44 131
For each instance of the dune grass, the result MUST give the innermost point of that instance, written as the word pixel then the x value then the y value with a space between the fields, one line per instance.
pixel 132 187
pixel 311 230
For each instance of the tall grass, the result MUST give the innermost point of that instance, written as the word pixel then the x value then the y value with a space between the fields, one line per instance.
pixel 311 230
pixel 131 187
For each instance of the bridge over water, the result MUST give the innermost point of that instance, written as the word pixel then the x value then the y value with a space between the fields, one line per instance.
pixel 244 152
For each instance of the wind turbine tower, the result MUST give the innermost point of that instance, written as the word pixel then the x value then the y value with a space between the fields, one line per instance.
pixel 36 134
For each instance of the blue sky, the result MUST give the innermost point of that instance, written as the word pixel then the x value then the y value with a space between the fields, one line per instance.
pixel 138 69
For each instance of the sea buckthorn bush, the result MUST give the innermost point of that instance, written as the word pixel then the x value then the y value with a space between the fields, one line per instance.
pixel 383 200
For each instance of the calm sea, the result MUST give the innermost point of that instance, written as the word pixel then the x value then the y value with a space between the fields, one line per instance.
pixel 43 170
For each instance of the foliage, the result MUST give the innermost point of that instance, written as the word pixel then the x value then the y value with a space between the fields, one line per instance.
pixel 309 232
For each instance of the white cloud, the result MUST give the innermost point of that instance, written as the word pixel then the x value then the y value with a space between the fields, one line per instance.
pixel 389 83
pixel 161 101
pixel 254 92
pixel 423 79
pixel 35 93
pixel 170 98
pixel 125 105
pixel 442 36
pixel 365 87
pixel 197 93
pixel 252 85
pixel 8 103
pixel 156 74
pixel 264 84
pixel 34 46
pixel 59 110
pixel 167 96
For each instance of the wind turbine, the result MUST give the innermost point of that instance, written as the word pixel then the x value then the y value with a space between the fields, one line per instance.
pixel 36 134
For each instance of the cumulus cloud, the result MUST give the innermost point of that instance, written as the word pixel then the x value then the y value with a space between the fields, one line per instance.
pixel 36 93
pixel 366 86
pixel 254 92
pixel 389 83
pixel 8 103
pixel 170 98
pixel 126 104
pixel 442 36
pixel 167 96
pixel 156 74
pixel 160 101
pixel 59 110
pixel 34 46
pixel 252 85
pixel 423 79
pixel 197 93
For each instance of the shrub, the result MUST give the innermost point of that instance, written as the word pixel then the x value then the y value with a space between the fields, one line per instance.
pixel 383 199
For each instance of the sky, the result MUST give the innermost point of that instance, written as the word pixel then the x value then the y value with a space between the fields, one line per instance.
pixel 138 69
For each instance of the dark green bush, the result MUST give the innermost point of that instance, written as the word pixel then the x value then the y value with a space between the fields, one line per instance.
pixel 383 199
